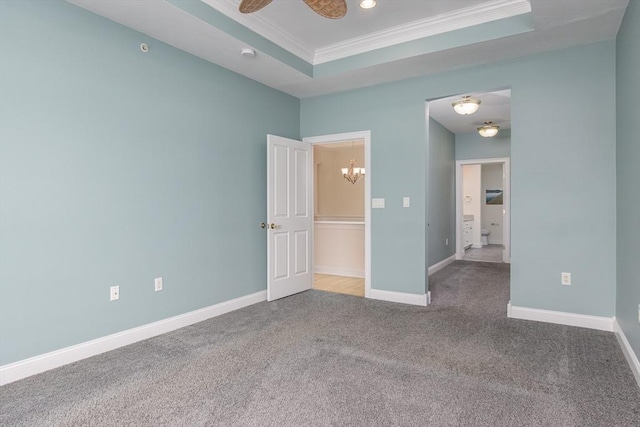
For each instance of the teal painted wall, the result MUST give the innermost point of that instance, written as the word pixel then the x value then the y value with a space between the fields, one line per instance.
pixel 441 207
pixel 563 180
pixel 117 167
pixel 396 118
pixel 471 146
pixel 628 174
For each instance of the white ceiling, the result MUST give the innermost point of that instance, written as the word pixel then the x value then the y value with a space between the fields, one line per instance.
pixel 294 26
pixel 494 107
pixel 297 19
pixel 291 25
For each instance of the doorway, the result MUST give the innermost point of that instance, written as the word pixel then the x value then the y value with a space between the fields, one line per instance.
pixel 483 224
pixel 342 227
pixel 472 137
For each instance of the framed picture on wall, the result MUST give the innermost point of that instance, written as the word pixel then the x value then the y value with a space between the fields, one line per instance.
pixel 494 197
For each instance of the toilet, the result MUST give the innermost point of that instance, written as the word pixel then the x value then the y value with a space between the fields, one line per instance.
pixel 485 236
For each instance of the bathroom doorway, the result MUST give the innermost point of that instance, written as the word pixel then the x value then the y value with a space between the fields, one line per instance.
pixel 482 214
pixel 340 232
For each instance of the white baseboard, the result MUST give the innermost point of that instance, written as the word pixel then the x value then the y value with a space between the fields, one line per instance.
pixel 442 264
pixel 632 358
pixel 44 362
pixel 561 318
pixel 401 297
pixel 347 272
pixel 476 245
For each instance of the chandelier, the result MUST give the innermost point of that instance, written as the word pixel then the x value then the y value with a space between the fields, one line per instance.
pixel 352 173
pixel 466 105
pixel 488 130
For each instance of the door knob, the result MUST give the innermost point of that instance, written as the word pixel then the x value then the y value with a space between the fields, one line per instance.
pixel 273 226
pixel 263 225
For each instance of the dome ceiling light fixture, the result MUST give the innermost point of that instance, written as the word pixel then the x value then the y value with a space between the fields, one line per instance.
pixel 489 130
pixel 467 105
pixel 367 4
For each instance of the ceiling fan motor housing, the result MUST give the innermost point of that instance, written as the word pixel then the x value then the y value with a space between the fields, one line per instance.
pixel 332 9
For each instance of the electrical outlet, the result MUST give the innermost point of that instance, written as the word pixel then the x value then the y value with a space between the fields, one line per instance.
pixel 406 202
pixel 638 313
pixel 114 293
pixel 565 279
pixel 446 242
pixel 158 284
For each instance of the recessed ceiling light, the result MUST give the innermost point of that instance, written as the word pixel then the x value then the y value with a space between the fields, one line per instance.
pixel 367 4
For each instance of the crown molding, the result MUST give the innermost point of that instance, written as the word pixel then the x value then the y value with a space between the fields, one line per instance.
pixel 458 19
pixel 263 27
pixel 461 18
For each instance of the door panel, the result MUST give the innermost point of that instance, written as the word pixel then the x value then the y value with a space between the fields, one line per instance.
pixel 289 215
pixel 301 183
pixel 302 245
pixel 281 255
pixel 281 180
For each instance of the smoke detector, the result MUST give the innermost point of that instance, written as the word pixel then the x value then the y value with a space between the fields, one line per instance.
pixel 248 52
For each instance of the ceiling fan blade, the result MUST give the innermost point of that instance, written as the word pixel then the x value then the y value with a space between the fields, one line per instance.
pixel 250 6
pixel 332 9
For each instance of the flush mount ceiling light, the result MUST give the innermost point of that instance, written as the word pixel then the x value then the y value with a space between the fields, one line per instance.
pixel 367 4
pixel 352 174
pixel 488 130
pixel 466 105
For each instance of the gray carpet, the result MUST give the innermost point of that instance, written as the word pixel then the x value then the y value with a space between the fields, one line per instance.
pixel 326 359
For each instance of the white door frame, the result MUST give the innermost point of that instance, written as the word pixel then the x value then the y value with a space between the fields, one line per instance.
pixel 341 137
pixel 506 218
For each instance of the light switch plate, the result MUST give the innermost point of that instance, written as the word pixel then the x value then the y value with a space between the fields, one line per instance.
pixel 377 203
pixel 406 202
pixel 158 284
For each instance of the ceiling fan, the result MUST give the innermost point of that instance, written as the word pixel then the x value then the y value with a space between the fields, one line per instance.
pixel 332 9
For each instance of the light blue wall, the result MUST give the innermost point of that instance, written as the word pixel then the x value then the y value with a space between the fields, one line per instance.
pixel 628 175
pixel 563 179
pixel 117 167
pixel 471 146
pixel 441 193
pixel 396 118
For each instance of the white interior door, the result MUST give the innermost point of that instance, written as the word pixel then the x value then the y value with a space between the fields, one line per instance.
pixel 289 215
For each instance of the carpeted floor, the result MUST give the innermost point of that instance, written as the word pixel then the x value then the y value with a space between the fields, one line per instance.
pixel 318 358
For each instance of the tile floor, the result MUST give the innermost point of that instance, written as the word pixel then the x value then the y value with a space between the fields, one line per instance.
pixel 489 253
